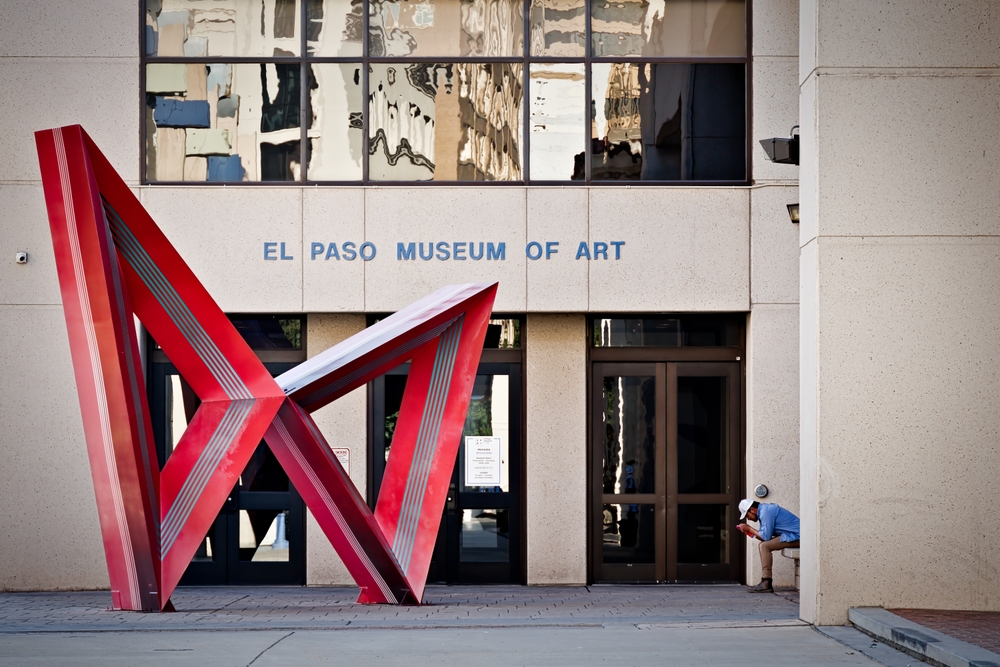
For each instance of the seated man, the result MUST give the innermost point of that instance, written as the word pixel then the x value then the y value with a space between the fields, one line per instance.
pixel 779 529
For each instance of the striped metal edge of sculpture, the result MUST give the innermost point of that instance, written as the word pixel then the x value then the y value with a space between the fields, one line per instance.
pixel 114 263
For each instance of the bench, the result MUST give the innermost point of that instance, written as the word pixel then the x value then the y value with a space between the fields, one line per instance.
pixel 793 553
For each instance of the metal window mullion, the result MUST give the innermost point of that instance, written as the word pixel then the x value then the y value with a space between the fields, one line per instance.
pixel 526 95
pixel 365 101
pixel 303 92
pixel 588 119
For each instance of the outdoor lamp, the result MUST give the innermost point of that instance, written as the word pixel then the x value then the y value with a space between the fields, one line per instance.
pixel 793 212
pixel 782 150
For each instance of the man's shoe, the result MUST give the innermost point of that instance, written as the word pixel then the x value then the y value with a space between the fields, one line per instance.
pixel 763 587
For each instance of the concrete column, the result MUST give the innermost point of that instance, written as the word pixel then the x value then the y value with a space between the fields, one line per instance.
pixel 89 63
pixel 772 401
pixel 900 299
pixel 344 424
pixel 556 375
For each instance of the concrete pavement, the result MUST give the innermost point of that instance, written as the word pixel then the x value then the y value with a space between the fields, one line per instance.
pixel 482 626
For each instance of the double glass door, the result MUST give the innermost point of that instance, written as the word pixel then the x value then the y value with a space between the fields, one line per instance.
pixel 479 540
pixel 259 535
pixel 667 471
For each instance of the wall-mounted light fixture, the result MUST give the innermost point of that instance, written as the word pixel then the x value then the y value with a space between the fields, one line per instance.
pixel 783 150
pixel 793 212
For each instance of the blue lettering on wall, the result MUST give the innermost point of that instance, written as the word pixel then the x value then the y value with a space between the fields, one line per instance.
pixel 456 250
pixel 443 250
pixel 499 252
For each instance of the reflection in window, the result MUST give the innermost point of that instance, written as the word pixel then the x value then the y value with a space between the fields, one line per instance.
pixel 334 28
pixel 659 121
pixel 503 334
pixel 629 434
pixel 209 28
pixel 445 122
pixel 432 112
pixel 222 122
pixel 335 134
pixel 629 533
pixel 688 330
pixel 558 28
pixel 668 28
pixel 453 28
pixel 484 537
pixel 557 121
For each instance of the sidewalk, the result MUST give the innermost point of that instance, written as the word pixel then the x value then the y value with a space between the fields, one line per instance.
pixel 296 608
pixel 483 626
pixel 952 638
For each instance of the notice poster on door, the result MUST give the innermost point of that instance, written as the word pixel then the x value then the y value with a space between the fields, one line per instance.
pixel 482 460
pixel 343 455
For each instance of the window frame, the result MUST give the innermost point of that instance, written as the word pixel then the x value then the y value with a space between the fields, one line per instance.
pixel 525 60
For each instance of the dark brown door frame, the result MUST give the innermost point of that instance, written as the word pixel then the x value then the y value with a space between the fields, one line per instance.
pixel 666 365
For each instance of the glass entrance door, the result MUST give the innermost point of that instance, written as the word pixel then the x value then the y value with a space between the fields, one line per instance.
pixel 666 456
pixel 259 535
pixel 480 537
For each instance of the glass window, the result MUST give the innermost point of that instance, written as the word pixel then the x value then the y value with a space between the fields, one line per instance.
pixel 629 533
pixel 668 28
pixel 667 331
pixel 415 91
pixel 629 434
pixel 701 435
pixel 445 122
pixel 668 122
pixel 702 533
pixel 557 121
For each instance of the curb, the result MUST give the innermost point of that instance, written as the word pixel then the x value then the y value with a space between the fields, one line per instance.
pixel 920 641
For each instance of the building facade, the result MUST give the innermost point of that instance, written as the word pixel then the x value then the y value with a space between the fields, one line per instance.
pixel 322 163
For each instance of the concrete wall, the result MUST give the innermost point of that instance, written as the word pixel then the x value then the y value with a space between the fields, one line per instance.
pixel 687 249
pixel 58 67
pixel 344 424
pixel 556 495
pixel 900 264
pixel 772 400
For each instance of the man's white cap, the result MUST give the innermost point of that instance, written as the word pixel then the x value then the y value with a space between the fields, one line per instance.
pixel 745 504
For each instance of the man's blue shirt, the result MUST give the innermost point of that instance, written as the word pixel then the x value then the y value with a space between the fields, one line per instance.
pixel 776 519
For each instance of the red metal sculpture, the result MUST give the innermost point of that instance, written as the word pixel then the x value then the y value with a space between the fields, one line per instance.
pixel 114 262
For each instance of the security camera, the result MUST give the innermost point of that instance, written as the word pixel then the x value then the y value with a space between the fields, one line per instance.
pixel 21 258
